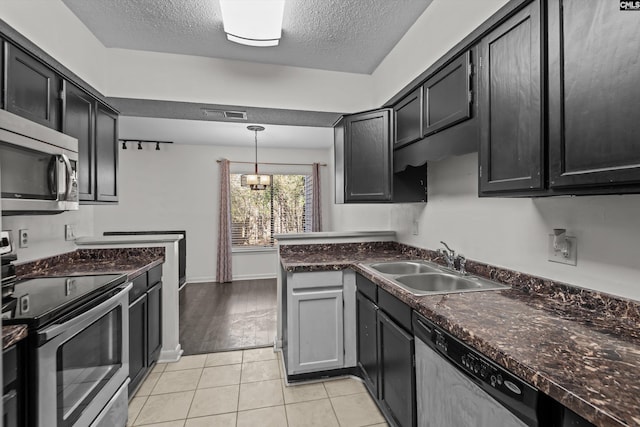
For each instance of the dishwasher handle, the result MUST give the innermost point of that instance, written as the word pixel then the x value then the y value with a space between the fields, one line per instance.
pixel 423 329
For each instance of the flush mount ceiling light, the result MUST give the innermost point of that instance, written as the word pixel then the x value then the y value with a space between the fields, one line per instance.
pixel 253 22
pixel 256 181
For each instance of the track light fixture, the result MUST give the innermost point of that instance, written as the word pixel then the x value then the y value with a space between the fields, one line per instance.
pixel 143 141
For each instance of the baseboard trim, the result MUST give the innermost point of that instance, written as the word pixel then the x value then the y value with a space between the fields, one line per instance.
pixel 170 355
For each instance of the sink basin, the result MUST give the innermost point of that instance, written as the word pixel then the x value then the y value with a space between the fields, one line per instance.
pixel 443 283
pixel 403 267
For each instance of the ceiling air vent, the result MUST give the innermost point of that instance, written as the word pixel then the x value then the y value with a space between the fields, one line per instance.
pixel 235 115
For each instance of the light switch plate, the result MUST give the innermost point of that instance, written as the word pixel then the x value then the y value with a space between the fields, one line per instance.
pixel 415 229
pixel 69 232
pixel 557 256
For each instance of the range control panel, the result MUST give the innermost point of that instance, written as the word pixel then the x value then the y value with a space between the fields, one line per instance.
pixel 477 366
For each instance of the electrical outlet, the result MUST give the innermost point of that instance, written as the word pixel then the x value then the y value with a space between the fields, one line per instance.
pixel 69 232
pixel 23 238
pixel 571 255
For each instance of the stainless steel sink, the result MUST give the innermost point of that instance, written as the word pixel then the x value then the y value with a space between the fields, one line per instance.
pixel 404 267
pixel 425 278
pixel 444 283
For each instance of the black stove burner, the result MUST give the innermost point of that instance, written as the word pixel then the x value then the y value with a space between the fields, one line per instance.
pixel 40 301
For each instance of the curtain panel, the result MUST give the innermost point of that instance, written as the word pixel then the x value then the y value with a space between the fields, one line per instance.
pixel 223 270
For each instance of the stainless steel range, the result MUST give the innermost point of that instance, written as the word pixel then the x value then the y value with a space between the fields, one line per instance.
pixel 78 348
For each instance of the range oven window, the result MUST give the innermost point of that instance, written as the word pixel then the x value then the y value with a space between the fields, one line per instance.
pixel 39 183
pixel 85 363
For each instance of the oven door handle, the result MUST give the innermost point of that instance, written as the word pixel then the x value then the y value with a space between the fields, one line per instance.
pixel 57 329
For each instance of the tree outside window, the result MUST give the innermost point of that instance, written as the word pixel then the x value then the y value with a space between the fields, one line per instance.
pixel 256 215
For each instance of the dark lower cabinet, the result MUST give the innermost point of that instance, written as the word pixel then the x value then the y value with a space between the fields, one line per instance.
pixel 593 95
pixel 137 341
pixel 510 106
pixel 12 388
pixel 145 325
pixel 386 352
pixel 367 341
pixel 154 327
pixel 32 89
pixel 397 389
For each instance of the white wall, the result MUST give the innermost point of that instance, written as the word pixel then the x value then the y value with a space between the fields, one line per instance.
pixel 442 25
pixel 177 188
pixel 46 232
pixel 512 233
pixel 55 29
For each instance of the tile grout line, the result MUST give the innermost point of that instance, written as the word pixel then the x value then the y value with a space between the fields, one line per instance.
pixel 335 414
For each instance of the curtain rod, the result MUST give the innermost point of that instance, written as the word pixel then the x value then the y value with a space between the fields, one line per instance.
pixel 278 164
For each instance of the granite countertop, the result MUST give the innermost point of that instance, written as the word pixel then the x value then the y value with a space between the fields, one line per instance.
pixel 130 261
pixel 128 239
pixel 12 334
pixel 587 359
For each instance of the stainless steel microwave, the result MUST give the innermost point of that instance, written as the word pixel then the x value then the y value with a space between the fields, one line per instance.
pixel 38 168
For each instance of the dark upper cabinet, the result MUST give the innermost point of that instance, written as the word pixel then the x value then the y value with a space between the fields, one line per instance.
pixel 367 341
pixel 448 96
pixel 408 119
pixel 363 163
pixel 367 157
pixel 78 122
pixel 106 149
pixel 32 89
pixel 511 138
pixel 593 95
pixel 96 128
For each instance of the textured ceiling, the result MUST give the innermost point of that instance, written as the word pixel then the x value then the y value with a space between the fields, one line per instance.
pixel 340 35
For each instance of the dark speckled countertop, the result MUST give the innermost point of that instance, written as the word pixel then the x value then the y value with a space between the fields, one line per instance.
pixel 130 261
pixel 578 346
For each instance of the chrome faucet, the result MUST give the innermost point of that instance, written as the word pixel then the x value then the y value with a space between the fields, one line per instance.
pixel 449 255
pixel 451 259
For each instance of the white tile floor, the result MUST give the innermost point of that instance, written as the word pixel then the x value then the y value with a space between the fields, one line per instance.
pixel 246 389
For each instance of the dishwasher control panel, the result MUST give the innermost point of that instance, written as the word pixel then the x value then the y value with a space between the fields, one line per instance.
pixel 477 366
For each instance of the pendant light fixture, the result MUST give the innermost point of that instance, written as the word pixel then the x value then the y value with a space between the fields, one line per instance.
pixel 256 181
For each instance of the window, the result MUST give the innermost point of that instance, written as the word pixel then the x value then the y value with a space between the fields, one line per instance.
pixel 284 207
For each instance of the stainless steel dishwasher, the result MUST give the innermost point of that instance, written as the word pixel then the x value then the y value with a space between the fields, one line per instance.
pixel 457 386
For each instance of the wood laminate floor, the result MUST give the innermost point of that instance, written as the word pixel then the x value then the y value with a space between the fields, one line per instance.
pixel 227 316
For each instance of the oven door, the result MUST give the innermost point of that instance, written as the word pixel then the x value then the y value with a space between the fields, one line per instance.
pixel 83 362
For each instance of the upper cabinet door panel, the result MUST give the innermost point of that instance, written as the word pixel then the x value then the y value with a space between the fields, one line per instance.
pixel 511 139
pixel 368 157
pixel 78 119
pixel 594 122
pixel 447 95
pixel 408 119
pixel 32 88
pixel 106 154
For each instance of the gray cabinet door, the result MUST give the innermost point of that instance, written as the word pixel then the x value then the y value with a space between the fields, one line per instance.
pixel 316 330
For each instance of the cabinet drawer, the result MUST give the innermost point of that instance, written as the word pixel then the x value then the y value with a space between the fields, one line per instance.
pixel 316 279
pixel 395 308
pixel 154 275
pixel 139 287
pixel 367 287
